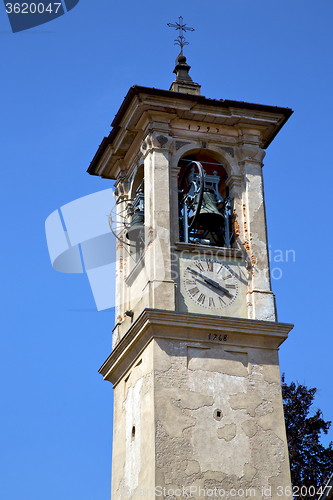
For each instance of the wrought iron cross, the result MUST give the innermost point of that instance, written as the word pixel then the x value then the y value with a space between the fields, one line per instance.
pixel 182 28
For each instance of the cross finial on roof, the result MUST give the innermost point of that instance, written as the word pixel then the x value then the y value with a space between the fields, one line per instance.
pixel 182 28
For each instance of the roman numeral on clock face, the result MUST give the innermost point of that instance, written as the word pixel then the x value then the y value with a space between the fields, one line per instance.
pixel 222 301
pixel 201 298
pixel 193 291
pixel 199 266
pixel 227 277
pixel 211 302
pixel 231 286
pixel 190 282
pixel 210 266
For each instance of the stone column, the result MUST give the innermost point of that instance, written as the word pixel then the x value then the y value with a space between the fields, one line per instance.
pixel 121 195
pixel 261 300
pixel 157 150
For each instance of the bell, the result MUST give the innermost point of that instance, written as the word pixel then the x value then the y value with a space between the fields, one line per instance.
pixel 135 231
pixel 136 226
pixel 209 218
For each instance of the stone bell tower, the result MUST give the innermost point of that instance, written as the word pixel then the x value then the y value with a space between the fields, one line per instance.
pixel 197 400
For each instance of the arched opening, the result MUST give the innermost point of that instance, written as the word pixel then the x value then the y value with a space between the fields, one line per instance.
pixel 137 182
pixel 204 202
pixel 136 232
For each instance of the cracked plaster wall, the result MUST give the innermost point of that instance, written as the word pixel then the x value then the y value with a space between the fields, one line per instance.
pixel 133 462
pixel 205 415
pixel 246 447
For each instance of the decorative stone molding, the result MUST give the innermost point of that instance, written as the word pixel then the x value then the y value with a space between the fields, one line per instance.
pixel 162 140
pixel 156 141
pixel 228 150
pixel 189 327
pixel 121 188
pixel 180 144
pixel 234 181
pixel 228 253
pixel 251 153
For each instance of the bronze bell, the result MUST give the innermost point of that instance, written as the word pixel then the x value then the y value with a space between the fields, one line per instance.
pixel 209 218
pixel 135 231
pixel 136 226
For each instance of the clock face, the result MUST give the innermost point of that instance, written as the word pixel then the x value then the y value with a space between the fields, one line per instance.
pixel 210 284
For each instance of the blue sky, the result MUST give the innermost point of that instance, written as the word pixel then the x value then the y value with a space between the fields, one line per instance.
pixel 61 85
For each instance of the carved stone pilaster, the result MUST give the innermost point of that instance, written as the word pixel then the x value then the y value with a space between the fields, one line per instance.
pixel 234 182
pixel 251 153
pixel 121 188
pixel 253 233
pixel 156 141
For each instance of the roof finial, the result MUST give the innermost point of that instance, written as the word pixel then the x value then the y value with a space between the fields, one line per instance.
pixel 182 28
pixel 183 82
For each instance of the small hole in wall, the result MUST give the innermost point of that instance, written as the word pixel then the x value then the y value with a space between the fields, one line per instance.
pixel 133 432
pixel 218 414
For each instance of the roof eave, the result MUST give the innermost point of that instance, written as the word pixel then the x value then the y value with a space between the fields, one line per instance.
pixel 137 89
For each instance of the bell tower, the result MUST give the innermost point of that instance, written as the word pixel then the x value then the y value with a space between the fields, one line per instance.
pixel 197 398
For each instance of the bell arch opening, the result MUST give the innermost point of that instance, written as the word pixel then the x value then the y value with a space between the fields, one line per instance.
pixel 136 232
pixel 205 206
pixel 137 181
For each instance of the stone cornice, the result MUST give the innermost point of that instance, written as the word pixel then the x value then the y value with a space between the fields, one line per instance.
pixel 154 323
pixel 227 253
pixel 139 100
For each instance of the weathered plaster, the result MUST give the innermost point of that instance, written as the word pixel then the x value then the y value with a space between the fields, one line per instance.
pixel 206 414
pixel 250 428
pixel 227 432
pixel 132 407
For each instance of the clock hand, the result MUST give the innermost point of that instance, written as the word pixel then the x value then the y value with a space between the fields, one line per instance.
pixel 210 281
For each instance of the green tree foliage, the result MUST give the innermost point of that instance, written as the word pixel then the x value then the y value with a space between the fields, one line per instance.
pixel 311 463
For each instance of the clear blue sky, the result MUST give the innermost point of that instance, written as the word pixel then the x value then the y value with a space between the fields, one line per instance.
pixel 61 85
